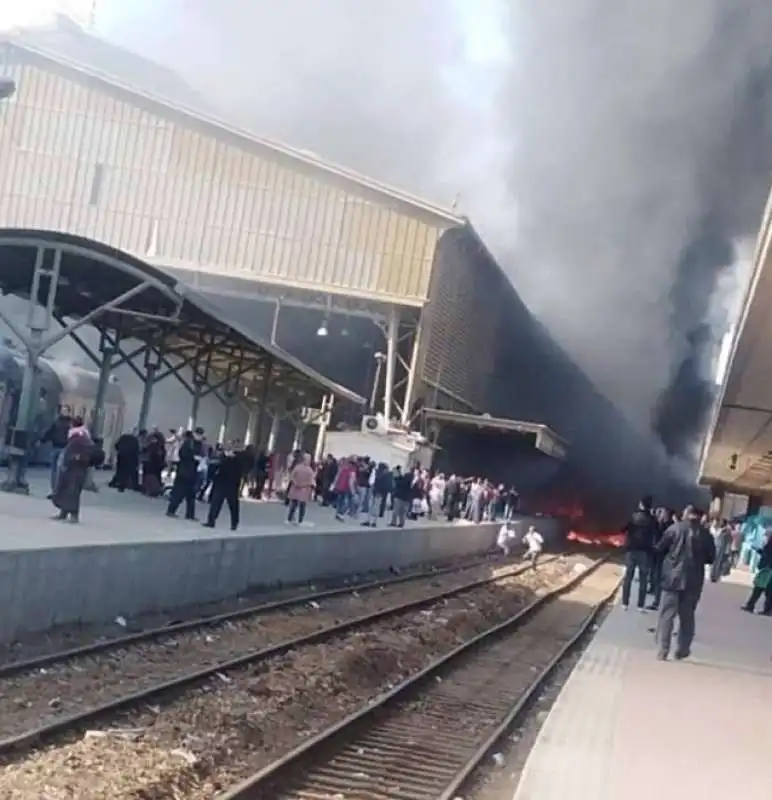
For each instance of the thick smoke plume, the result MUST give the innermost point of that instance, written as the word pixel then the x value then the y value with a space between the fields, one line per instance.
pixel 610 153
pixel 640 152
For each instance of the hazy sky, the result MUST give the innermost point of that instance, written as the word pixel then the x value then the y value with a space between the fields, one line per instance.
pixel 31 12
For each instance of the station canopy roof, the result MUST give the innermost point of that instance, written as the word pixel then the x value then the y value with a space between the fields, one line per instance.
pixel 157 306
pixel 546 440
pixel 737 452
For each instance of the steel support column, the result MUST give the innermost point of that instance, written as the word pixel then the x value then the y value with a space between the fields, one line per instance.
pixel 194 404
pixel 249 435
pixel 412 372
pixel 379 359
pixel 153 361
pixel 200 383
pixel 226 418
pixel 147 396
pixel 392 332
pixel 324 423
pixel 273 434
pixel 297 440
pixel 97 422
pixel 263 404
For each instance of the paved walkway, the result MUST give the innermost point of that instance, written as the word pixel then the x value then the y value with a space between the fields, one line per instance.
pixel 109 517
pixel 627 727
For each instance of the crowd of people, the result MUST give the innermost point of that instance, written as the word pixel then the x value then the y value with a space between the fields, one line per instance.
pixel 670 553
pixel 184 466
pixel 357 485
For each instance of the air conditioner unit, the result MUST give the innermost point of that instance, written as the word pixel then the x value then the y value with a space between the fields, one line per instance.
pixel 374 424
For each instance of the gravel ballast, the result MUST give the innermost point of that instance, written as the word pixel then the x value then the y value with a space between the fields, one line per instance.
pixel 36 698
pixel 199 743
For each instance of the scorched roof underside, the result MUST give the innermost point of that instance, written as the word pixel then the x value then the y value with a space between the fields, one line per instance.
pixel 547 441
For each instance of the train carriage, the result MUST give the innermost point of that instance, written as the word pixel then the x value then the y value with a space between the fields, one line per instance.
pixel 61 385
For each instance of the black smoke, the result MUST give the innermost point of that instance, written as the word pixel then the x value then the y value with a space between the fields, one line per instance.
pixel 683 407
pixel 611 154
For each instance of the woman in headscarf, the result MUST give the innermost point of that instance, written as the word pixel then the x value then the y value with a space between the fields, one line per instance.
pixel 75 460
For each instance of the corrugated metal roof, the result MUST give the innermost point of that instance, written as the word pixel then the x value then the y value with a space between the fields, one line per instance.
pixel 72 49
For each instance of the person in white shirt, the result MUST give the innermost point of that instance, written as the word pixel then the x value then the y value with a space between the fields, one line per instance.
pixel 507 535
pixel 436 494
pixel 534 543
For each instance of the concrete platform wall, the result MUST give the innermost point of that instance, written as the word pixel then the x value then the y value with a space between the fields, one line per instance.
pixel 40 588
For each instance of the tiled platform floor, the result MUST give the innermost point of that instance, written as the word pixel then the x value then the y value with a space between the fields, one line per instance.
pixel 109 517
pixel 627 727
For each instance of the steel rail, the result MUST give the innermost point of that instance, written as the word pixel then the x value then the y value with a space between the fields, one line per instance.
pixel 179 684
pixel 267 782
pixel 526 700
pixel 11 668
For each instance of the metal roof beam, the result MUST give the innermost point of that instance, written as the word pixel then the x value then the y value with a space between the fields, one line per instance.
pixel 192 321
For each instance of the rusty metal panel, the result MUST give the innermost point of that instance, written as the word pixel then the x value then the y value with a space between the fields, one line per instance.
pixel 79 160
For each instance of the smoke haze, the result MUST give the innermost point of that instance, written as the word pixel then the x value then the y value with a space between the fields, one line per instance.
pixel 610 154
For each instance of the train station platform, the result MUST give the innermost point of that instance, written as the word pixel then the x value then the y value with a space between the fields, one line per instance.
pixel 628 726
pixel 127 558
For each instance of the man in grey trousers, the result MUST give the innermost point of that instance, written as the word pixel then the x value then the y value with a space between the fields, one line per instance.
pixel 685 548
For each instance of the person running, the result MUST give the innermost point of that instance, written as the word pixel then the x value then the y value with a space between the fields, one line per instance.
pixel 507 535
pixel 534 543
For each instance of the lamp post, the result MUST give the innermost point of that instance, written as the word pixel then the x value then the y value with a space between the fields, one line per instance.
pixel 7 87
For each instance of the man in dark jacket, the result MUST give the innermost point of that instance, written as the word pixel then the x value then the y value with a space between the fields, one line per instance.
pixel 686 548
pixel 57 436
pixel 185 479
pixel 226 484
pixel 383 486
pixel 662 518
pixel 452 498
pixel 126 463
pixel 640 533
pixel 401 495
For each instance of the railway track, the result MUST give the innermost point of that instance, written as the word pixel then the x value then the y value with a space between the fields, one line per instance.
pixel 107 687
pixel 423 739
pixel 10 668
pixel 197 742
